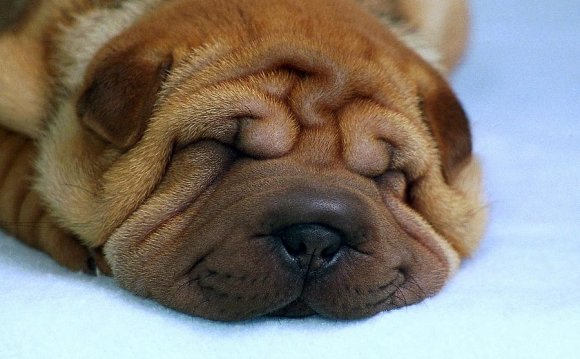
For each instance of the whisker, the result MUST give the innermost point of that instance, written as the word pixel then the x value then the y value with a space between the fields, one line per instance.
pixel 421 293
pixel 402 295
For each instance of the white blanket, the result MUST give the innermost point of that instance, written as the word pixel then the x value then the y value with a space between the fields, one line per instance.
pixel 519 297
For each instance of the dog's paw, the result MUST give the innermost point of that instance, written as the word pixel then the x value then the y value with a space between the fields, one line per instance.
pixel 66 249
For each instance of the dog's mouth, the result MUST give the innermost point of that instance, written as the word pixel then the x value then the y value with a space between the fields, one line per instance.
pixel 337 287
pixel 350 285
pixel 387 296
pixel 296 309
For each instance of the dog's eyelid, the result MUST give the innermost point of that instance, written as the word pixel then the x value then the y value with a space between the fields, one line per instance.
pixel 291 68
pixel 395 182
pixel 421 107
pixel 165 66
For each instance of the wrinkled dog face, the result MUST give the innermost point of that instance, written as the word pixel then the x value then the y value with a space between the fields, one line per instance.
pixel 273 169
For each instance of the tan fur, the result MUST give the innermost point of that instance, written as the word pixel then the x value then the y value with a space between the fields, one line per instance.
pixel 436 29
pixel 23 85
pixel 443 23
pixel 136 120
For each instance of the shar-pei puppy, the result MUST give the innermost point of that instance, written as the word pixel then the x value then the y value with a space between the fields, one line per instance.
pixel 233 159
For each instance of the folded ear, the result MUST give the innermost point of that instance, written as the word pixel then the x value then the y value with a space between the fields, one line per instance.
pixel 443 24
pixel 448 123
pixel 120 93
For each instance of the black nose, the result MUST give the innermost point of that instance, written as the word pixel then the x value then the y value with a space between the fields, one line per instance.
pixel 311 244
pixel 314 224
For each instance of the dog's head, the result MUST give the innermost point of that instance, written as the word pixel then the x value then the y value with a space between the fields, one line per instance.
pixel 236 160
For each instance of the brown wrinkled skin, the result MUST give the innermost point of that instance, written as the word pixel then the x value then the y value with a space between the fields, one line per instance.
pixel 205 129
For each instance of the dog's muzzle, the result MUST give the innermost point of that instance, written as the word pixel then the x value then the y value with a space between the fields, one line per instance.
pixel 270 237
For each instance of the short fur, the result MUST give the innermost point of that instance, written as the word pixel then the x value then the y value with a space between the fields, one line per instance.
pixel 169 134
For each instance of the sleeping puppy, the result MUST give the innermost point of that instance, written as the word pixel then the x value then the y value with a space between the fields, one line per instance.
pixel 233 159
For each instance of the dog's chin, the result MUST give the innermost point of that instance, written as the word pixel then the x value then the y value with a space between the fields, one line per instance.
pixel 296 309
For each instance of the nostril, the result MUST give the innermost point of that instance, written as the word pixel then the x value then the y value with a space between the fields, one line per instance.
pixel 293 246
pixel 311 240
pixel 329 252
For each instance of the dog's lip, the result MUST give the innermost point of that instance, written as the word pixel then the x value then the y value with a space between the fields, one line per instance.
pixel 423 235
pixel 303 306
pixel 295 309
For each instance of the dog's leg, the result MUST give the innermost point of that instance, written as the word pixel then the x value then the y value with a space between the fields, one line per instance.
pixel 23 215
pixel 443 23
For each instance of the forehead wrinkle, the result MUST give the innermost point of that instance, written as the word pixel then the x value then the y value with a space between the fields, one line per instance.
pixel 384 83
pixel 317 96
pixel 333 79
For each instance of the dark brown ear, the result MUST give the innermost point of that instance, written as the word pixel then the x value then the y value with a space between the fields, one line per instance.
pixel 449 126
pixel 120 94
